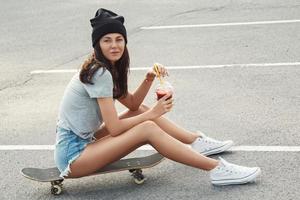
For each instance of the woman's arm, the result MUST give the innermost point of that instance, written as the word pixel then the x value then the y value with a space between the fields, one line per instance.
pixel 116 126
pixel 133 101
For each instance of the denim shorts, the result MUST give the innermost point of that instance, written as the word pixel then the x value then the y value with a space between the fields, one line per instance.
pixel 68 148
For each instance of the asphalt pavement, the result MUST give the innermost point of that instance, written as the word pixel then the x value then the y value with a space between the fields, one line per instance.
pixel 243 85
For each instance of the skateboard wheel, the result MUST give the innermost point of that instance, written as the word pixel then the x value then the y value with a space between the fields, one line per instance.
pixel 138 176
pixel 56 189
pixel 139 181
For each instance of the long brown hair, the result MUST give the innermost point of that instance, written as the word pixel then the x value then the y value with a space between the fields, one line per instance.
pixel 119 71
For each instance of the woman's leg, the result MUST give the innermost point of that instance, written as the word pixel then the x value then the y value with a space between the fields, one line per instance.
pixel 165 124
pixel 109 149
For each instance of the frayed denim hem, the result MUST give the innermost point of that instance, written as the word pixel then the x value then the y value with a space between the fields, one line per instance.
pixel 65 173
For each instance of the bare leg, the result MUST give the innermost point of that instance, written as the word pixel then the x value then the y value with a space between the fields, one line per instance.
pixel 109 149
pixel 165 124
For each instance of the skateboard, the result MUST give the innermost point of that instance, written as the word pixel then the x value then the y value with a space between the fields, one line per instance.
pixel 133 165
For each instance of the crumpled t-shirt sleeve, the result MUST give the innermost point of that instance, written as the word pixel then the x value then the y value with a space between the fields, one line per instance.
pixel 103 85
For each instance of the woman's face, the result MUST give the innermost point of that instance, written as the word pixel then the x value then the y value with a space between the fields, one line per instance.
pixel 112 46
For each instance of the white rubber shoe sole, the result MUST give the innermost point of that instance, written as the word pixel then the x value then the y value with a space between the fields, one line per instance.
pixel 220 149
pixel 244 180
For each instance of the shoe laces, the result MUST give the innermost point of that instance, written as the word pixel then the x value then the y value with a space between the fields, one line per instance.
pixel 207 140
pixel 230 168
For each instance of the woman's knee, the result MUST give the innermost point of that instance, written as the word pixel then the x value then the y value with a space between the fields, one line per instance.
pixel 147 125
pixel 143 108
pixel 150 128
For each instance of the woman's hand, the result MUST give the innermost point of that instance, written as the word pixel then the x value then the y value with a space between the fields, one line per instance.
pixel 152 73
pixel 162 106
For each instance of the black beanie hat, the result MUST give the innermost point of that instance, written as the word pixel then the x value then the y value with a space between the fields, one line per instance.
pixel 106 21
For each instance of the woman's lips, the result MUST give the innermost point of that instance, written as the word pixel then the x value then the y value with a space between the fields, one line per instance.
pixel 114 52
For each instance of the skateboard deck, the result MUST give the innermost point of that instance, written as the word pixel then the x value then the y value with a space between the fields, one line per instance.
pixel 134 165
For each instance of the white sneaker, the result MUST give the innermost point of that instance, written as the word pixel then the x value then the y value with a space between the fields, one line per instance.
pixel 227 174
pixel 208 146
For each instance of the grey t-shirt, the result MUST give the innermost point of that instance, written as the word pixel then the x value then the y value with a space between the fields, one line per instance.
pixel 79 110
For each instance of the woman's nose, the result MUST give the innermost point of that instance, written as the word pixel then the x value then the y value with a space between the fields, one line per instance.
pixel 114 44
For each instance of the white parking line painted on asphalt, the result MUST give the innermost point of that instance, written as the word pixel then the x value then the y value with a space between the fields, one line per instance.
pixel 54 71
pixel 26 147
pixel 148 147
pixel 266 148
pixel 182 67
pixel 222 24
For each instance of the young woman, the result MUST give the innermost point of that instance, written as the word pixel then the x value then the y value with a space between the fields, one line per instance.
pixel 90 133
